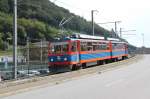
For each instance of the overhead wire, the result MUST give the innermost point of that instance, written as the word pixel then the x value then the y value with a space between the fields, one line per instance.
pixel 83 11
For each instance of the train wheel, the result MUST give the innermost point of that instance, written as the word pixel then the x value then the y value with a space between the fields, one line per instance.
pixel 116 59
pixel 74 67
pixel 79 66
pixel 100 62
pixel 52 69
pixel 107 61
pixel 123 57
pixel 84 65
pixel 71 67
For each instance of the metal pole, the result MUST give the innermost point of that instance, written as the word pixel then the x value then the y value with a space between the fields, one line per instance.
pixel 28 53
pixel 120 32
pixel 15 40
pixel 143 41
pixel 143 38
pixel 92 12
pixel 115 27
pixel 41 51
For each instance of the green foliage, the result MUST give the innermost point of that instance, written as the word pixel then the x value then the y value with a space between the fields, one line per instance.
pixel 1 41
pixel 4 6
pixel 39 19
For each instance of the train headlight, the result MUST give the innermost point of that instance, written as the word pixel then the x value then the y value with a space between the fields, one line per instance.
pixel 52 60
pixel 65 59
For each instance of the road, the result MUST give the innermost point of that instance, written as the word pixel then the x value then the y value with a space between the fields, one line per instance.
pixel 128 82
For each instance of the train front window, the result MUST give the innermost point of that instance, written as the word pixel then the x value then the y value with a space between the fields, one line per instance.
pixel 59 48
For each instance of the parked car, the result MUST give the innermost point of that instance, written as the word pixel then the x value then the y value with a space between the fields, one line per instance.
pixel 44 72
pixel 34 72
pixel 6 75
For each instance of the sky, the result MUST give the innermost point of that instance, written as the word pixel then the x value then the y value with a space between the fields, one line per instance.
pixel 133 14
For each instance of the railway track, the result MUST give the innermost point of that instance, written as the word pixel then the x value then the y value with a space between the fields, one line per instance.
pixel 18 86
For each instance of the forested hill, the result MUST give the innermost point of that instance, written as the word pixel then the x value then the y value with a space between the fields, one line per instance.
pixel 40 19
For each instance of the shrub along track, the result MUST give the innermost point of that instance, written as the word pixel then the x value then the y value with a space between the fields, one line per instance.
pixel 18 86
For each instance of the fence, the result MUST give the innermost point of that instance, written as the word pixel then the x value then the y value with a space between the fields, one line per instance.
pixel 23 70
pixel 32 61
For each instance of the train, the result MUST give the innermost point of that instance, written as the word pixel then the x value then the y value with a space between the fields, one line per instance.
pixel 81 51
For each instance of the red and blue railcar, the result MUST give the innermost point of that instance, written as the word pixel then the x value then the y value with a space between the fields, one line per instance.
pixel 75 53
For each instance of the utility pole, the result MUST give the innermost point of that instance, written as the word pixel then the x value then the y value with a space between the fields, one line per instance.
pixel 143 38
pixel 115 22
pixel 143 42
pixel 115 26
pixel 92 16
pixel 92 21
pixel 15 39
pixel 125 31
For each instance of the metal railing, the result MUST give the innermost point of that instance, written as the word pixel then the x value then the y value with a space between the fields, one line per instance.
pixel 23 70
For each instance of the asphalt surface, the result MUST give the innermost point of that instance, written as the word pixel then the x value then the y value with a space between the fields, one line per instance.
pixel 128 82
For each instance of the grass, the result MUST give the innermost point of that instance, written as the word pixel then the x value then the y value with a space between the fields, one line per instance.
pixel 7 52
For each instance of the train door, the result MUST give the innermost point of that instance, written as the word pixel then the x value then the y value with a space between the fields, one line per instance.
pixel 74 51
pixel 75 55
pixel 126 49
pixel 111 48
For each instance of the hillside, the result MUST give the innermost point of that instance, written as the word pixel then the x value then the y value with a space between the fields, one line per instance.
pixel 39 19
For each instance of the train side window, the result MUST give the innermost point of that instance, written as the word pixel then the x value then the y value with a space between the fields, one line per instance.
pixel 108 47
pixel 95 46
pixel 90 48
pixel 74 46
pixel 103 46
pixel 83 48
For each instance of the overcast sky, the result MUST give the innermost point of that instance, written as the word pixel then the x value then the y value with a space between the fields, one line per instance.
pixel 133 14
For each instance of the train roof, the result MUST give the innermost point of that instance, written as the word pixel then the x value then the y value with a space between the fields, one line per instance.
pixel 85 37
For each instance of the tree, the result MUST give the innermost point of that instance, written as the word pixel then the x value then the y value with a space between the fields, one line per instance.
pixel 1 41
pixel 4 6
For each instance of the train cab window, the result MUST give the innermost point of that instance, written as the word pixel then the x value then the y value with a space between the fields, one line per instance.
pixel 74 46
pixel 65 48
pixel 59 49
